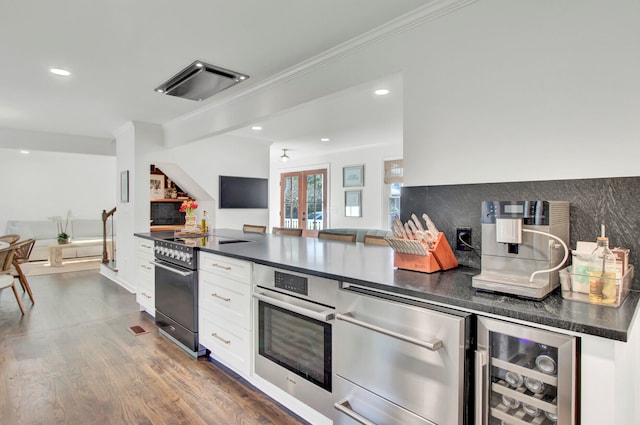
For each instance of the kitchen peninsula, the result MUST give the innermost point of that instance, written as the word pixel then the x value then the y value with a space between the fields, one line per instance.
pixel 600 329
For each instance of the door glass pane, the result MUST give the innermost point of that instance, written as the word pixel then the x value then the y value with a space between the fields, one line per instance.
pixel 291 201
pixel 523 382
pixel 314 201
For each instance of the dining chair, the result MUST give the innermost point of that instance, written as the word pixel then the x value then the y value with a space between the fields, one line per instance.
pixel 21 256
pixel 252 228
pixel 375 240
pixel 345 237
pixel 286 231
pixel 10 239
pixel 6 276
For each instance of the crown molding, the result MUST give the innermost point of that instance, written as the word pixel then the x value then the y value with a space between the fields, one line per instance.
pixel 432 10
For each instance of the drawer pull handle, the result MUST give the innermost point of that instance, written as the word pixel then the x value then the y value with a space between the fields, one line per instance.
pixel 215 335
pixel 145 267
pixel 433 345
pixel 144 294
pixel 346 408
pixel 221 267
pixel 220 297
pixel 145 246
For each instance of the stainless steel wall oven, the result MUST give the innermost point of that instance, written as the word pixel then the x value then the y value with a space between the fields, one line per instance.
pixel 294 321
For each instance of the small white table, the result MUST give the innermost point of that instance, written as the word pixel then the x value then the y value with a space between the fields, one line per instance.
pixel 55 250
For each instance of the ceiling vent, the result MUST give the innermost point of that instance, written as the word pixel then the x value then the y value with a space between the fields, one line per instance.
pixel 199 81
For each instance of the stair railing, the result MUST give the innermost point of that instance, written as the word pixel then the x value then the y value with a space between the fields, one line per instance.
pixel 105 253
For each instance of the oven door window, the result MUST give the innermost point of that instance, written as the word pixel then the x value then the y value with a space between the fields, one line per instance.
pixel 296 342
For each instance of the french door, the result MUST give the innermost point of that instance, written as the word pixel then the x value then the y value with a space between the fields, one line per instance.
pixel 303 200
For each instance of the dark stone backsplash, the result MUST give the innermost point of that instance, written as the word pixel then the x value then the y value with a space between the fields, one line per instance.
pixel 612 201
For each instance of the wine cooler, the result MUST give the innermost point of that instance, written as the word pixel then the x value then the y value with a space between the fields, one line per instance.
pixel 525 375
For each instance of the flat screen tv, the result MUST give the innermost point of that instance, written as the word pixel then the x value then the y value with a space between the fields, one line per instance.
pixel 243 192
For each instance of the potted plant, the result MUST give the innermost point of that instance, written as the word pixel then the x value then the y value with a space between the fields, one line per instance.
pixel 63 236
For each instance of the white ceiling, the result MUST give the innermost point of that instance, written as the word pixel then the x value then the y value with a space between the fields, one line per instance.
pixel 120 50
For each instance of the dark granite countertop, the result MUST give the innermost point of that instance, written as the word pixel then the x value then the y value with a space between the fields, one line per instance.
pixel 372 266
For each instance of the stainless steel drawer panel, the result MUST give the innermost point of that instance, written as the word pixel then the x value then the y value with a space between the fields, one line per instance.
pixel 356 406
pixel 383 355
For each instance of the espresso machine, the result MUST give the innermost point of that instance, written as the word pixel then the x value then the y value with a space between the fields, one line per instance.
pixel 524 244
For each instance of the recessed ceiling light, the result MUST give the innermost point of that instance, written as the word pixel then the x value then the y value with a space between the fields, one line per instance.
pixel 199 65
pixel 325 139
pixel 24 152
pixel 256 128
pixel 381 92
pixel 58 71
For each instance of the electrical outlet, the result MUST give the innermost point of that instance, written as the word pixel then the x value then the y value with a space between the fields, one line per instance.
pixel 463 239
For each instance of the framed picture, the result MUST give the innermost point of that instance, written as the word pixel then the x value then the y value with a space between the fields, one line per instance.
pixel 124 186
pixel 353 203
pixel 353 176
pixel 157 185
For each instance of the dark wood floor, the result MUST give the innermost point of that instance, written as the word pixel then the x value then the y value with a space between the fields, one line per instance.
pixel 71 359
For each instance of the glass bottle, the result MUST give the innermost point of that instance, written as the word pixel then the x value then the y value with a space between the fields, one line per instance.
pixel 204 223
pixel 602 273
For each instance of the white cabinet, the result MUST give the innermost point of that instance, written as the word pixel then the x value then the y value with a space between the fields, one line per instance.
pixel 145 276
pixel 224 316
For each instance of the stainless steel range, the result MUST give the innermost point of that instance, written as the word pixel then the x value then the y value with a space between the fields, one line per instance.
pixel 176 284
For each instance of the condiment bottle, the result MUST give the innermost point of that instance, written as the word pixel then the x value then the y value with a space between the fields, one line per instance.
pixel 602 272
pixel 204 223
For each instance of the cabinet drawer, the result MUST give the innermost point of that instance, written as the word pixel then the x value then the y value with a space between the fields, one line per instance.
pixel 228 342
pixel 226 297
pixel 144 246
pixel 145 269
pixel 145 296
pixel 225 266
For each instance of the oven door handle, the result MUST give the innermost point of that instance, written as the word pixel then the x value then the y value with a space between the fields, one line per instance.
pixel 323 316
pixel 433 345
pixel 171 269
pixel 345 408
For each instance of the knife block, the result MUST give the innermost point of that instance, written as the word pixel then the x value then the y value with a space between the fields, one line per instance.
pixel 441 257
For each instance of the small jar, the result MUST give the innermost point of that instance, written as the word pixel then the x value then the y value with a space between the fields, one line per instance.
pixel 511 403
pixel 534 385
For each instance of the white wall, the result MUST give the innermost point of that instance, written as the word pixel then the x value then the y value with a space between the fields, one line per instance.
pixel 373 209
pixel 521 90
pixel 525 90
pixel 45 184
pixel 207 159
